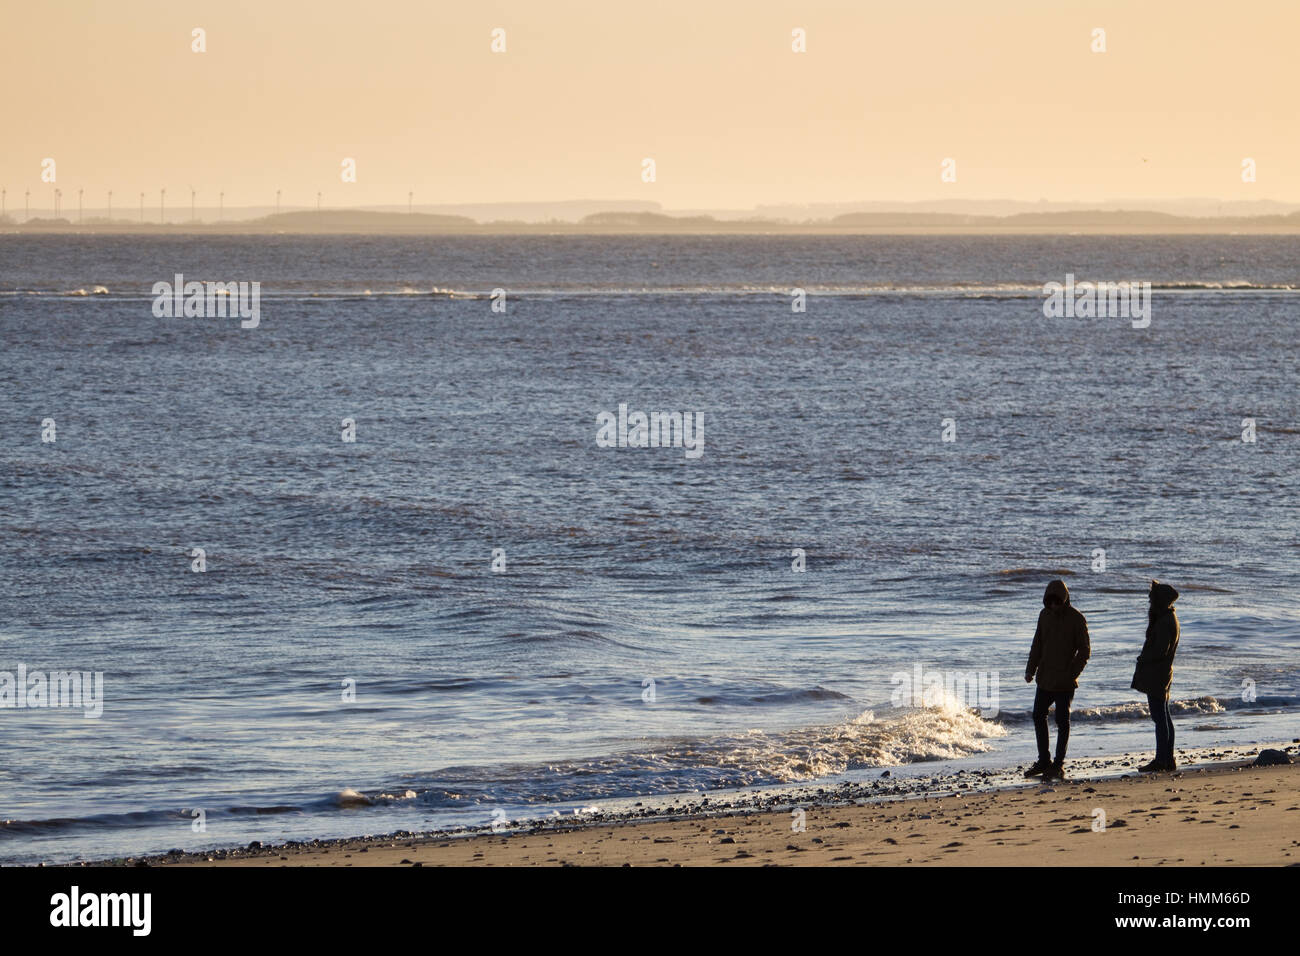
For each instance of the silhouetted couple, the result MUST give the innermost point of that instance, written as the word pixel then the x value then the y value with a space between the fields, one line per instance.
pixel 1060 652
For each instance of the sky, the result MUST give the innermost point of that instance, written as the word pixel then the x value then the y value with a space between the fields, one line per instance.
pixel 711 90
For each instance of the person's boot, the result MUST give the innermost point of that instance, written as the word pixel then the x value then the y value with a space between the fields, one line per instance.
pixel 1058 769
pixel 1171 764
pixel 1038 769
pixel 1155 766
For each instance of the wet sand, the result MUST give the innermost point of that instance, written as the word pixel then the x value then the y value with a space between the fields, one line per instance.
pixel 1225 814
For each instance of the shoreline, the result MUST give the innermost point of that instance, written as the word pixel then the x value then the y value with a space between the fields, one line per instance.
pixel 946 820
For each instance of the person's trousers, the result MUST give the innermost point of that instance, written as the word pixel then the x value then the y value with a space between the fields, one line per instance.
pixel 1044 699
pixel 1164 721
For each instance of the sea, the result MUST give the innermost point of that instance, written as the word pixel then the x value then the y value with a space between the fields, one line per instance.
pixel 382 563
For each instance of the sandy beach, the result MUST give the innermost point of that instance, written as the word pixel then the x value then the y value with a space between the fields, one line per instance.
pixel 1218 815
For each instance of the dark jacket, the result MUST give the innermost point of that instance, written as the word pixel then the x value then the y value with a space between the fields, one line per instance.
pixel 1155 665
pixel 1060 649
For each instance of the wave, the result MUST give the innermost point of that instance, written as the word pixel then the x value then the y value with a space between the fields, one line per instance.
pixel 363 290
pixel 791 696
pixel 659 766
pixel 1138 710
pixel 944 731
pixel 1034 573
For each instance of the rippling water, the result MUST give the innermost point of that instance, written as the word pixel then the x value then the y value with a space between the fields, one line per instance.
pixel 527 691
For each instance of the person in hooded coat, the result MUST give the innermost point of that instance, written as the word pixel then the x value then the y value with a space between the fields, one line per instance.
pixel 1155 671
pixel 1057 658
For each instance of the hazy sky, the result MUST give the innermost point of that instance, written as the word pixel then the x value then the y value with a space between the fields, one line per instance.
pixel 710 90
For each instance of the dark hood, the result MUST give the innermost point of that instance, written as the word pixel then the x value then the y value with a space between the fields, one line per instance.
pixel 1060 590
pixel 1162 595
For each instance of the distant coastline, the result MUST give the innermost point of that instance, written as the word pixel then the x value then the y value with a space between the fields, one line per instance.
pixel 642 221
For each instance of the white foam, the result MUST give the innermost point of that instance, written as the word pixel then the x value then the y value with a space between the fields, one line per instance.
pixel 942 732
